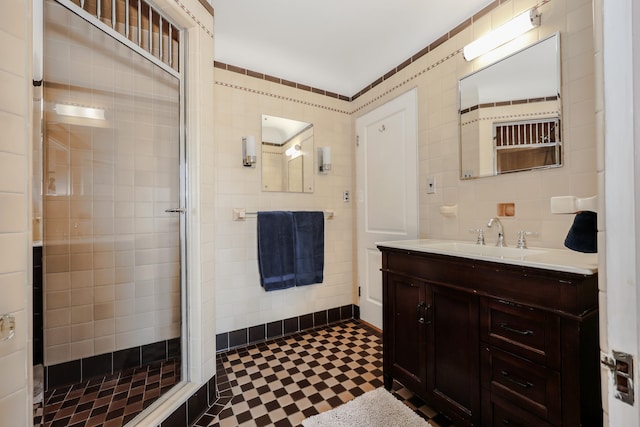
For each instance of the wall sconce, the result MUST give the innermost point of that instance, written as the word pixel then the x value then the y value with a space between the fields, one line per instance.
pixel 517 26
pixel 324 159
pixel 249 151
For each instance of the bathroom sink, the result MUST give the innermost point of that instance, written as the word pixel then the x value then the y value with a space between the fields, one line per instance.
pixel 483 250
pixel 546 258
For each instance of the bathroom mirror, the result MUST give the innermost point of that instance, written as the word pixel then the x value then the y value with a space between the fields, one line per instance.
pixel 510 113
pixel 287 155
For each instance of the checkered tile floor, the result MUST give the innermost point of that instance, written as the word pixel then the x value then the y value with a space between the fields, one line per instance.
pixel 107 401
pixel 282 382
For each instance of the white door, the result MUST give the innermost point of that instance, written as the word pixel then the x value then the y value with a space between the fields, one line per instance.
pixel 386 191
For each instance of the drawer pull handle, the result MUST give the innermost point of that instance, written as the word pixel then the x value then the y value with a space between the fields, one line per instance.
pixel 523 384
pixel 505 422
pixel 506 327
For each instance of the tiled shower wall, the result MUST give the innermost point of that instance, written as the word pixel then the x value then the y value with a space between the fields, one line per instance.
pixel 15 253
pixel 111 253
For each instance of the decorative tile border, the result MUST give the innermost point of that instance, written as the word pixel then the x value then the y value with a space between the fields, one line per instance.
pixel 284 98
pixel 207 6
pixel 192 15
pixel 429 48
pixel 407 80
pixel 38 307
pixel 507 103
pixel 254 334
pixel 542 114
pixel 386 76
pixel 76 371
pixel 278 80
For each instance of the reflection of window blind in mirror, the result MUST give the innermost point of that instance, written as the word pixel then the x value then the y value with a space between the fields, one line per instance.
pixel 523 86
pixel 527 144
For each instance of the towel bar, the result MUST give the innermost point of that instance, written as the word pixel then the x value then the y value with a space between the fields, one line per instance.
pixel 240 214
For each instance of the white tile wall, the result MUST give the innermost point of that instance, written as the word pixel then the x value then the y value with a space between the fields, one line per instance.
pixel 239 104
pixel 15 253
pixel 438 131
pixel 241 302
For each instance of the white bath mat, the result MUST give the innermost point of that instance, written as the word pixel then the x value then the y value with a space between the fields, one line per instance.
pixel 377 408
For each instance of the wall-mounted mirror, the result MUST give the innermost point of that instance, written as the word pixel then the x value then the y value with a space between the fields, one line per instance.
pixel 510 113
pixel 287 155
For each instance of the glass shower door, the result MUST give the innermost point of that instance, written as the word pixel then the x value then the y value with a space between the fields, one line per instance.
pixel 111 170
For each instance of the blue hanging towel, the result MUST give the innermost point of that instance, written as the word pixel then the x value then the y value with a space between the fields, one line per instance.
pixel 276 250
pixel 309 247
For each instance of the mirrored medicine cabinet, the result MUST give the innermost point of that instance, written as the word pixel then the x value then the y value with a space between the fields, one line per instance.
pixel 510 113
pixel 287 152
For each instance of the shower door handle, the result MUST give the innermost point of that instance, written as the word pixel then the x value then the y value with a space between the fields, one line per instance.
pixel 175 210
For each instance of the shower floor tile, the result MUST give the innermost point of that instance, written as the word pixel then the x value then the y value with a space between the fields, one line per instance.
pixel 283 381
pixel 109 401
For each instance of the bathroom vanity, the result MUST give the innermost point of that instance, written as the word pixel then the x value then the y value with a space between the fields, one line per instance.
pixel 493 336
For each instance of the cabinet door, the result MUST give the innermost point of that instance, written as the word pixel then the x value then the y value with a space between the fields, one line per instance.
pixel 404 334
pixel 453 354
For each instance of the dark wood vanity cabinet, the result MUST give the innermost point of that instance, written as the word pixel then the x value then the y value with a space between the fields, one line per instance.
pixel 492 344
pixel 433 342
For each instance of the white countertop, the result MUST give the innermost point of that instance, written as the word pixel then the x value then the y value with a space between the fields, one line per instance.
pixel 564 260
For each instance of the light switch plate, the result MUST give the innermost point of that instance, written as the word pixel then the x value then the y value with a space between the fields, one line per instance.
pixel 431 185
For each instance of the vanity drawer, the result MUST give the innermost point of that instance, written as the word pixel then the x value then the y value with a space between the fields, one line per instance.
pixel 527 385
pixel 500 413
pixel 522 330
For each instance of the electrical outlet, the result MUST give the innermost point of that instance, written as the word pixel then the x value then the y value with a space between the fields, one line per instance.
pixel 346 196
pixel 431 185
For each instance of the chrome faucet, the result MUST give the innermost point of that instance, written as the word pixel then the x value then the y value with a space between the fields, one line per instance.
pixel 500 241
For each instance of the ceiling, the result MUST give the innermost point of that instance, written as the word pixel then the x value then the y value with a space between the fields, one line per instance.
pixel 336 45
pixel 277 130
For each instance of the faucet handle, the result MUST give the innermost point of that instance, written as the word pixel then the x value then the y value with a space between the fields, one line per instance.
pixel 522 241
pixel 480 235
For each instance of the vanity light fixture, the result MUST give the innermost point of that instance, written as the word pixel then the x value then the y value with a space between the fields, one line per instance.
pixel 324 159
pixel 505 33
pixel 249 151
pixel 293 151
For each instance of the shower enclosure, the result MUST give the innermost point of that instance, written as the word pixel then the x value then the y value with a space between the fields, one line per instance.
pixel 111 151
